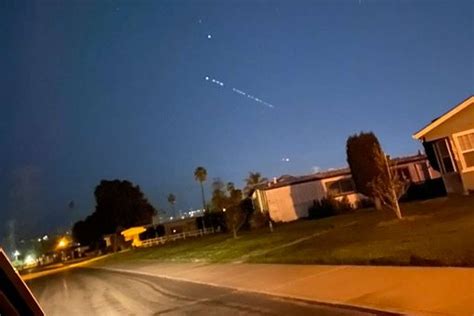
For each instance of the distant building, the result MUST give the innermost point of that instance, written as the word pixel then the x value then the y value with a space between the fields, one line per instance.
pixel 288 198
pixel 71 252
pixel 134 236
pixel 181 225
pixel 449 144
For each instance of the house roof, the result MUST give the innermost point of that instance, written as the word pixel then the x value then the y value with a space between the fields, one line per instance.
pixel 292 180
pixel 443 118
pixel 133 231
pixel 284 181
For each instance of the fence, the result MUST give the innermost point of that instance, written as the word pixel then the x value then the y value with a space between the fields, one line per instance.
pixel 165 239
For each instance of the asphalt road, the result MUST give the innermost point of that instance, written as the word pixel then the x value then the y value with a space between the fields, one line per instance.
pixel 84 291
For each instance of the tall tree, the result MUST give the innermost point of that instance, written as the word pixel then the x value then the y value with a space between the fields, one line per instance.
pixel 228 199
pixel 253 179
pixel 219 197
pixel 236 211
pixel 388 186
pixel 200 175
pixel 361 160
pixel 119 204
pixel 172 201
pixel 371 172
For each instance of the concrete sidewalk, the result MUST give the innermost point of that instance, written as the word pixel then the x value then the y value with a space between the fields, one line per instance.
pixel 407 290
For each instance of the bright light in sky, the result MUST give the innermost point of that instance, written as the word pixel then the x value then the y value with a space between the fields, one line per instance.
pixel 238 91
pixel 316 90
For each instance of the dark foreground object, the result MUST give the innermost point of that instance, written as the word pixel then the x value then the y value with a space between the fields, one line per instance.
pixel 15 297
pixel 99 292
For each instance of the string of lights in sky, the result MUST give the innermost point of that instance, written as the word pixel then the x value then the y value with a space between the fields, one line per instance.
pixel 240 92
pixel 235 90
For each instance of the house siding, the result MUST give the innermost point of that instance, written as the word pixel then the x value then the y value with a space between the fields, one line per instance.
pixel 463 181
pixel 460 122
pixel 289 202
pixel 468 180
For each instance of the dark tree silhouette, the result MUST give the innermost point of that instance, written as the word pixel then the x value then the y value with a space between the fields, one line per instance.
pixel 172 200
pixel 122 204
pixel 362 162
pixel 372 174
pixel 254 179
pixel 219 197
pixel 229 200
pixel 200 175
pixel 119 204
pixel 88 231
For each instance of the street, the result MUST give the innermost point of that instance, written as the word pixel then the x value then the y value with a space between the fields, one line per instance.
pixel 85 291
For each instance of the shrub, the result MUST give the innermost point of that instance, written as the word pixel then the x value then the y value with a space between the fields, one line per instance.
pixel 214 220
pixel 329 206
pixel 259 219
pixel 429 189
pixel 364 203
pixel 343 205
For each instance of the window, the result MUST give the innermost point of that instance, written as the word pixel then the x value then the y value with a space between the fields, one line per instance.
pixel 466 146
pixel 341 186
pixel 403 173
pixel 423 171
pixel 444 156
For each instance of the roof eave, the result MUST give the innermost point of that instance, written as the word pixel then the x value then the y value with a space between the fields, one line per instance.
pixel 458 108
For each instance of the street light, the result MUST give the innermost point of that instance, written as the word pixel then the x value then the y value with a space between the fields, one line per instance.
pixel 30 259
pixel 16 253
pixel 62 243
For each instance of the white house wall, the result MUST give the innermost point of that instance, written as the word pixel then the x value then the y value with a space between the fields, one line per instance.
pixel 291 202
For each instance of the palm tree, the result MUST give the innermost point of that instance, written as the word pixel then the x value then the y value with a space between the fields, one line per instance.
pixel 200 175
pixel 252 181
pixel 172 201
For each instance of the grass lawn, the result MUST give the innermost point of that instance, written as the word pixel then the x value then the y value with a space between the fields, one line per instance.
pixel 437 232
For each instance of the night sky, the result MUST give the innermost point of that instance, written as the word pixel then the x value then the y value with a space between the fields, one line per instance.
pixel 93 90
